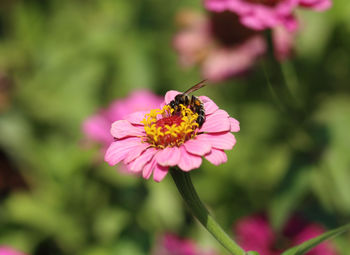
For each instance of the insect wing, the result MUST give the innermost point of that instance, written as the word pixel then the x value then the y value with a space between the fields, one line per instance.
pixel 195 87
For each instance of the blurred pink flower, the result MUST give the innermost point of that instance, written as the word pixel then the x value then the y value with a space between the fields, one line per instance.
pixel 263 14
pixel 259 14
pixel 218 42
pixel 151 142
pixel 283 43
pixel 317 5
pixel 6 250
pixel 254 233
pixel 97 127
pixel 172 245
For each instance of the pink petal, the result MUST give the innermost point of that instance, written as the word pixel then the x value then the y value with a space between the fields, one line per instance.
pixel 283 42
pixel 255 233
pixel 217 6
pixel 188 42
pixel 216 157
pixel 136 152
pixel 124 169
pixel 162 105
pixel 136 117
pixel 234 124
pixel 147 169
pixel 223 141
pixel 222 63
pixel 291 23
pixel 169 156
pixel 97 128
pixel 141 100
pixel 209 106
pixel 197 146
pixel 119 149
pixel 7 250
pixel 159 172
pixel 216 122
pixel 123 128
pixel 317 5
pixel 254 23
pixel 140 162
pixel 188 161
pixel 170 95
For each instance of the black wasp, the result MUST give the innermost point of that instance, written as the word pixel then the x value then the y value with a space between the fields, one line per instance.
pixel 194 103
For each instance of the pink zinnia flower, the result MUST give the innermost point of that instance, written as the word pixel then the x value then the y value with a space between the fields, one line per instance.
pixel 151 142
pixel 172 245
pixel 254 233
pixel 218 43
pixel 97 127
pixel 6 250
pixel 262 14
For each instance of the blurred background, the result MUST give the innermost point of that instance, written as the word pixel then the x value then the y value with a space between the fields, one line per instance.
pixel 63 60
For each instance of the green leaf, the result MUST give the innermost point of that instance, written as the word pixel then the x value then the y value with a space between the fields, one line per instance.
pixel 308 245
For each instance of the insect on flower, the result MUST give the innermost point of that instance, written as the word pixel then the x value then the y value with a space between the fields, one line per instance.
pixel 194 103
pixel 175 134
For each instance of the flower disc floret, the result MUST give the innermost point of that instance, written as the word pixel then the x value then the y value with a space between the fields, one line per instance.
pixel 151 142
pixel 165 128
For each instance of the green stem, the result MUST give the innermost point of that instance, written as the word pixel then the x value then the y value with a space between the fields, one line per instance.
pixel 184 185
pixel 291 84
pixel 290 79
pixel 272 90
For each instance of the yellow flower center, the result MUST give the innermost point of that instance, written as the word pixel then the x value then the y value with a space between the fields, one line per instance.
pixel 166 128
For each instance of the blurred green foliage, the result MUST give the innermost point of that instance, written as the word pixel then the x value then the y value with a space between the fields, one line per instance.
pixel 64 59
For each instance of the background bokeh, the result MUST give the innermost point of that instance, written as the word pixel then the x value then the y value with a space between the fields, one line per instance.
pixel 62 60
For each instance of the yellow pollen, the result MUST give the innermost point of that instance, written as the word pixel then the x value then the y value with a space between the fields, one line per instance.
pixel 164 128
